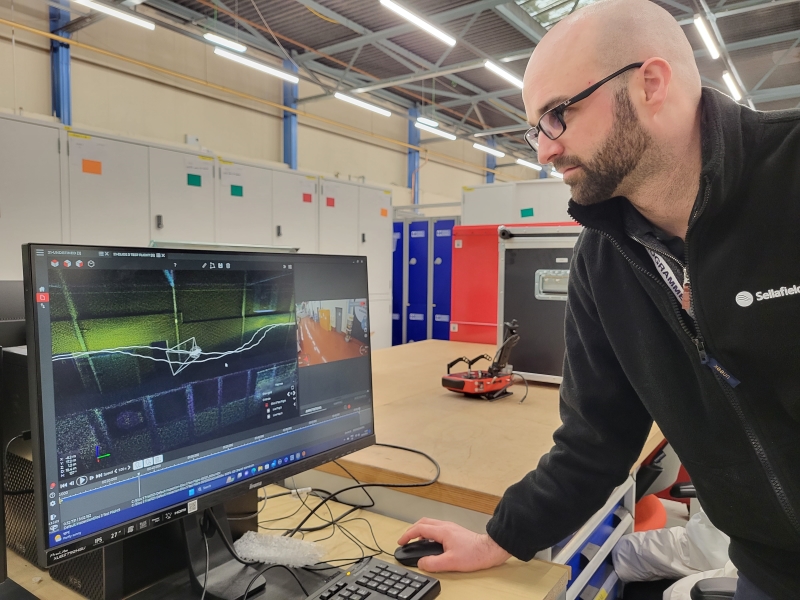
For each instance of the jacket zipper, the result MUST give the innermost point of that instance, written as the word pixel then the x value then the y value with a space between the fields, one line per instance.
pixel 720 374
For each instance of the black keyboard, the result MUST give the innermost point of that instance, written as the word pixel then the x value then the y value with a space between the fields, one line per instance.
pixel 374 579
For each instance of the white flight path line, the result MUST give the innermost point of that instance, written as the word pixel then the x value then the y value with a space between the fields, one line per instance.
pixel 193 355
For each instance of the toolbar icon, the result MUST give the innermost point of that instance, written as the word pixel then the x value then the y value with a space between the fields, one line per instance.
pixel 54 263
pixel 212 266
pixel 67 263
pixel 79 263
pixel 90 263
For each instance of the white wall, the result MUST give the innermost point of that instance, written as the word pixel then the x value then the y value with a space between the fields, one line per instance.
pixel 132 100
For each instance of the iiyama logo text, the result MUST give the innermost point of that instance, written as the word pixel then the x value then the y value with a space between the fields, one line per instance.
pixel 255 485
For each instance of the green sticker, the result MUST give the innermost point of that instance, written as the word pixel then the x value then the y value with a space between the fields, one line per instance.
pixel 237 190
pixel 526 212
pixel 194 180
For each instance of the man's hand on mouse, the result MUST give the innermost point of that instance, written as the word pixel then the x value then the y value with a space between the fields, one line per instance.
pixel 464 550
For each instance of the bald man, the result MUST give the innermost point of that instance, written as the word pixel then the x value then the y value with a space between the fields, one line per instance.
pixel 684 297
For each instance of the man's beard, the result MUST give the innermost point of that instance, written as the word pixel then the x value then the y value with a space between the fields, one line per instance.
pixel 619 155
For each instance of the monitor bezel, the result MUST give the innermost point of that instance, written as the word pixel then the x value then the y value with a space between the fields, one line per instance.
pixel 204 501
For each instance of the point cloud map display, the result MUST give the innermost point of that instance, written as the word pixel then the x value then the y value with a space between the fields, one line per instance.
pixel 150 361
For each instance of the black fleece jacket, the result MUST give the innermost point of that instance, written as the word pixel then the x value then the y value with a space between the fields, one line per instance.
pixel 724 388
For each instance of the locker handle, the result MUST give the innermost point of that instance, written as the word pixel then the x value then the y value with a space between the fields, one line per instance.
pixel 278 231
pixel 363 238
pixel 159 222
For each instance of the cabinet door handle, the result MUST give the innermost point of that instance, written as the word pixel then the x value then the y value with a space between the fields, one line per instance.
pixel 363 238
pixel 159 222
pixel 278 231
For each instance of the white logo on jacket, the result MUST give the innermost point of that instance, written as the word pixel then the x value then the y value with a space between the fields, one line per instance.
pixel 744 298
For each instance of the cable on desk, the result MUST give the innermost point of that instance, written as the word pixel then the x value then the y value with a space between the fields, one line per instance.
pixel 525 381
pixel 227 542
pixel 330 496
pixel 208 564
pixel 265 569
pixel 255 514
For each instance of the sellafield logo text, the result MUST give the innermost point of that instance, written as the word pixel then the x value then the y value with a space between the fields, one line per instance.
pixel 779 293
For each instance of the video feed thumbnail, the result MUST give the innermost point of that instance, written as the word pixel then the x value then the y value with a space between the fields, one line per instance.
pixel 331 330
pixel 149 361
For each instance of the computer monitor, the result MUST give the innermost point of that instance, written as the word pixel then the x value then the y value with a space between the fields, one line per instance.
pixel 164 382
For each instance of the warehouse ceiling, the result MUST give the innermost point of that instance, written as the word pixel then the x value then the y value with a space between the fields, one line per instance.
pixel 347 45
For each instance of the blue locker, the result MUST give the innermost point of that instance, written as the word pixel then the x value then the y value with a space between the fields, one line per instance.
pixel 398 277
pixel 442 273
pixel 417 310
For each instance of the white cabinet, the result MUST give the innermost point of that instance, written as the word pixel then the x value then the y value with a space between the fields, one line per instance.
pixel 30 190
pixel 181 196
pixel 380 314
pixel 537 201
pixel 295 216
pixel 108 191
pixel 338 217
pixel 244 204
pixel 375 237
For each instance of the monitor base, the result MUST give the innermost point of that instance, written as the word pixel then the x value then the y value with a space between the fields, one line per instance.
pixel 11 590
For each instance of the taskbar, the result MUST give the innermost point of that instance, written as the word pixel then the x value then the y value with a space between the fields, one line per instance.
pixel 98 532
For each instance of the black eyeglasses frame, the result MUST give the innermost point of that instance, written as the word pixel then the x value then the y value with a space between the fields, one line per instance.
pixel 533 132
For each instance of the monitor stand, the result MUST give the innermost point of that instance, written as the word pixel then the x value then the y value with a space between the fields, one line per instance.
pixel 228 578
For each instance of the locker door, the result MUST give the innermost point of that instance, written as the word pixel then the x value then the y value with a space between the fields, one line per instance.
pixel 417 309
pixel 442 274
pixel 182 195
pixel 244 206
pixel 397 283
pixel 295 216
pixel 338 218
pixel 30 191
pixel 374 215
pixel 109 193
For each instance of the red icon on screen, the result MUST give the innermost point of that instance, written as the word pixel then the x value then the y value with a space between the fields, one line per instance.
pixel 53 485
pixel 42 297
pixel 79 263
pixel 53 263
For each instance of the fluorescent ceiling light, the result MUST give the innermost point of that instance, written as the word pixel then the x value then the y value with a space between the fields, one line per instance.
pixel 439 132
pixel 255 65
pixel 704 33
pixel 117 13
pixel 419 22
pixel 530 165
pixel 221 41
pixel 428 122
pixel 556 174
pixel 362 104
pixel 488 150
pixel 503 73
pixel 726 77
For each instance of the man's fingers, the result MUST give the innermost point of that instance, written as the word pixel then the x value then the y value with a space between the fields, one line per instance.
pixel 421 530
pixel 435 564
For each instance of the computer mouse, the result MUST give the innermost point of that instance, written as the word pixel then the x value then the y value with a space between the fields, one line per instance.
pixel 410 554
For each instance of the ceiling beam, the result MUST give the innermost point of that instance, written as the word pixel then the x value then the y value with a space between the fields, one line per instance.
pixel 371 37
pixel 777 38
pixel 780 93
pixel 521 20
pixel 741 8
pixel 483 96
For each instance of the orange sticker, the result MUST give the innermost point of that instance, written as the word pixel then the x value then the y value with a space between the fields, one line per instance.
pixel 384 212
pixel 93 167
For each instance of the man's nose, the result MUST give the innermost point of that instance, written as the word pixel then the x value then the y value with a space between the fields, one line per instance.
pixel 549 149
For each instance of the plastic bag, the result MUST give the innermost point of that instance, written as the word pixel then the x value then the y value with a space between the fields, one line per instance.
pixel 671 553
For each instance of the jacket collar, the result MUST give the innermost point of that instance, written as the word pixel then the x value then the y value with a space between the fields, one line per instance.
pixel 723 158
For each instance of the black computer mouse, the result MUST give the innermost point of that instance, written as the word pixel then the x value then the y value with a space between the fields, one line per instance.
pixel 410 554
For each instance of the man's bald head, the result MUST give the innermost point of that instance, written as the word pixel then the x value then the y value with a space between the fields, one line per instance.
pixel 617 138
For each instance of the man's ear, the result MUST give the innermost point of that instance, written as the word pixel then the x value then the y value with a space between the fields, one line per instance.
pixel 655 74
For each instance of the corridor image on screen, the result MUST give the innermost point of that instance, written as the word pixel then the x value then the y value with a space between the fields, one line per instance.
pixel 150 361
pixel 331 330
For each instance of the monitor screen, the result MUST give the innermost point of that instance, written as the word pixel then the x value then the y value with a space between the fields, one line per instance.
pixel 166 381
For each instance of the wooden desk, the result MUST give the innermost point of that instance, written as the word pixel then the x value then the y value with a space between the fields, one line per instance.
pixel 482 447
pixel 536 580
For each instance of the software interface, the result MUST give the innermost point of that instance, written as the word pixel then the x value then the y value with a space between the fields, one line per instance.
pixel 169 374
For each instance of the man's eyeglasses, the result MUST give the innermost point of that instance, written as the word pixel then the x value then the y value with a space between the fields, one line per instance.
pixel 552 122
